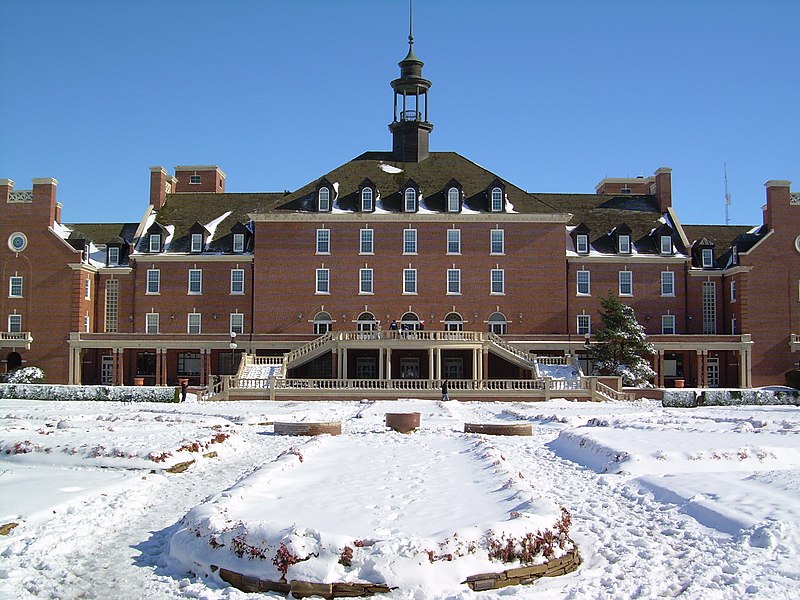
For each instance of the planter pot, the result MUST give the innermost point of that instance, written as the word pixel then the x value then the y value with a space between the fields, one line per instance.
pixel 403 422
pixel 183 380
pixel 679 383
pixel 138 381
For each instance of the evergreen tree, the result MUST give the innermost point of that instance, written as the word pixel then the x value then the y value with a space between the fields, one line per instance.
pixel 621 347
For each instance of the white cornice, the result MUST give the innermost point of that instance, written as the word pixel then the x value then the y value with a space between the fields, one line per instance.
pixel 414 217
pixel 114 270
pixel 630 259
pixel 82 267
pixel 168 257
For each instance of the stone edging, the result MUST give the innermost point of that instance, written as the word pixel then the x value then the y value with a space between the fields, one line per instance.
pixel 331 427
pixel 522 575
pixel 499 428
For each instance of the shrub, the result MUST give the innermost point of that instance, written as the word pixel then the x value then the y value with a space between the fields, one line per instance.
pixel 792 377
pixel 26 375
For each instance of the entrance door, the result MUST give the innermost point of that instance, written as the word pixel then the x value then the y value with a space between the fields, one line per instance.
pixel 366 368
pixel 712 371
pixel 409 368
pixel 107 370
pixel 453 368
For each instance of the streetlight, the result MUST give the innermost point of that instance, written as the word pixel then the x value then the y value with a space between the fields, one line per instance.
pixel 233 349
pixel 587 340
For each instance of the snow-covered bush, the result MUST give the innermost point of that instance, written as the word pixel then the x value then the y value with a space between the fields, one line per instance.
pixel 26 375
pixel 27 391
pixel 695 398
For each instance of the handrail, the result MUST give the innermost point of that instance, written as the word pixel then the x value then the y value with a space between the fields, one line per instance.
pixel 609 393
pixel 15 335
pixel 524 356
pixel 305 349
pixel 411 384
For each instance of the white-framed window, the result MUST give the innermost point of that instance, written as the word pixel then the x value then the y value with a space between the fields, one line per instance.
pixel 197 242
pixel 194 179
pixel 111 321
pixel 626 283
pixel 324 197
pixel 409 281
pixel 410 200
pixel 238 243
pixel 453 281
pixel 87 288
pixel 365 280
pixel 322 323
pixel 367 204
pixel 367 241
pixel 498 324
pixel 733 290
pixel 453 200
pixel 667 324
pixel 624 244
pixel 454 241
pixel 709 307
pixel 497 200
pixel 323 241
pixel 237 323
pixel 237 281
pixel 582 243
pixel 409 241
pixel 194 322
pixel 666 244
pixel 87 324
pixel 15 286
pixel 323 281
pixel 498 281
pixel 584 324
pixel 153 281
pixel 155 242
pixel 733 325
pixel 708 258
pixel 14 323
pixel 151 323
pixel 497 241
pixel 584 283
pixel 453 322
pixel 195 281
pixel 667 283
pixel 113 256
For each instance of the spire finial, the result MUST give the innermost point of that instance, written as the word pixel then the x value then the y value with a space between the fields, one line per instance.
pixel 410 23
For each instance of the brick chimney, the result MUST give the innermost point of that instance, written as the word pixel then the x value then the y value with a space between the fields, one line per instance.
pixel 778 201
pixel 663 191
pixel 161 184
pixel 44 198
pixel 6 187
pixel 58 212
pixel 199 179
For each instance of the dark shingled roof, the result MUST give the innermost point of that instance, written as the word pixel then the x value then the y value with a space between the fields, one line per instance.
pixel 724 238
pixel 100 233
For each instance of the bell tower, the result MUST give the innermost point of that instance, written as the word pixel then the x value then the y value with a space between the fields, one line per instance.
pixel 410 127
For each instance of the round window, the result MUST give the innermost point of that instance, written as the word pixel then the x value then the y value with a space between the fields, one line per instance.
pixel 797 243
pixel 17 241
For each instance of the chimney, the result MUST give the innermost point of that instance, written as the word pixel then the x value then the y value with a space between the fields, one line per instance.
pixel 663 188
pixel 158 186
pixel 6 187
pixel 58 212
pixel 44 197
pixel 778 197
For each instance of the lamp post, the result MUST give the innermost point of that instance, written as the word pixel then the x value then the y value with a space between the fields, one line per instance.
pixel 587 343
pixel 233 349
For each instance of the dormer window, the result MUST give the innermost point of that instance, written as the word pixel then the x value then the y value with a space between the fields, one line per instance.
pixel 324 199
pixel 497 200
pixel 453 200
pixel 113 256
pixel 582 244
pixel 624 244
pixel 197 242
pixel 625 190
pixel 708 258
pixel 155 242
pixel 410 200
pixel 367 203
pixel 238 243
pixel 666 244
pixel 194 179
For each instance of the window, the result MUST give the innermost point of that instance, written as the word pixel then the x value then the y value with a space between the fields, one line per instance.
pixel 453 322
pixel 584 288
pixel 323 241
pixel 668 324
pixel 15 287
pixel 237 322
pixel 409 241
pixel 324 197
pixel 153 281
pixel 155 242
pixel 323 281
pixel 409 281
pixel 366 321
pixel 189 363
pixel 497 241
pixel 626 283
pixel 87 288
pixel 151 323
pixel 708 258
pixel 498 324
pixel 667 283
pixel 582 244
pixel 367 238
pixel 410 204
pixel 194 323
pixel 113 256
pixel 454 241
pixel 238 243
pixel 237 281
pixel 497 200
pixel 366 200
pixel 322 323
pixel 195 281
pixel 15 323
pixel 194 179
pixel 666 244
pixel 197 242
pixel 112 306
pixel 624 244
pixel 453 281
pixel 709 307
pixel 584 324
pixel 733 290
pixel 365 281
pixel 87 324
pixel 453 199
pixel 733 325
pixel 497 281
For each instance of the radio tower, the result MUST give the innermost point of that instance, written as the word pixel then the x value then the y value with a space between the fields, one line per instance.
pixel 727 195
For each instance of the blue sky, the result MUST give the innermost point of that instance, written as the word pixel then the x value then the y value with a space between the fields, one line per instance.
pixel 552 96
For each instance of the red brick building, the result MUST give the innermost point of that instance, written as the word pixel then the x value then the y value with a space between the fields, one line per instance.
pixel 475 273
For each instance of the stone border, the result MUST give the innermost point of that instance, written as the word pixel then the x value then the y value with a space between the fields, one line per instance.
pixel 477 583
pixel 331 427
pixel 499 428
pixel 403 422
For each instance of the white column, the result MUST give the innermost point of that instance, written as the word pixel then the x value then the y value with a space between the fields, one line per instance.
pixel 431 373
pixel 380 363
pixel 388 363
pixel 475 363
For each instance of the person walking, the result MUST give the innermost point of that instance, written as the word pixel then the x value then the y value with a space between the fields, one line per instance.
pixel 445 397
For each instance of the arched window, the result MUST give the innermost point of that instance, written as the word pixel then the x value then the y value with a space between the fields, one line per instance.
pixel 322 323
pixel 324 199
pixel 498 323
pixel 366 200
pixel 453 322
pixel 13 361
pixel 497 200
pixel 366 322
pixel 410 204
pixel 410 322
pixel 453 200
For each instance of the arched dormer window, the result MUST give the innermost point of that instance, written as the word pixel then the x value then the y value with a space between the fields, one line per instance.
pixel 410 200
pixel 324 199
pixel 453 200
pixel 367 200
pixel 496 197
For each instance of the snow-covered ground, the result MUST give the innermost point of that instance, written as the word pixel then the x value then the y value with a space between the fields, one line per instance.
pixel 690 503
